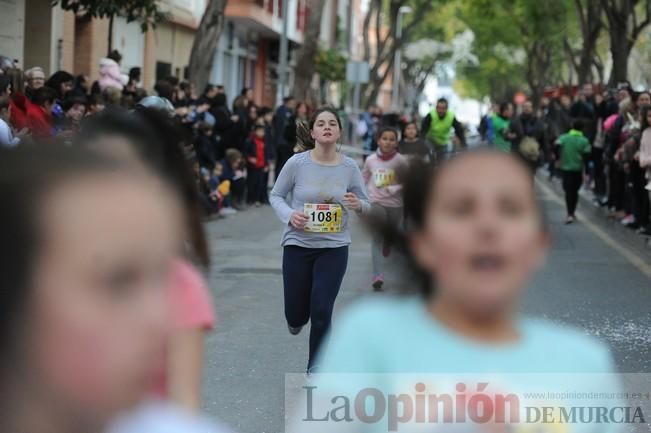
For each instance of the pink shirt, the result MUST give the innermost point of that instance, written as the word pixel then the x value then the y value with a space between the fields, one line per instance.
pixel 381 181
pixel 192 308
pixel 191 301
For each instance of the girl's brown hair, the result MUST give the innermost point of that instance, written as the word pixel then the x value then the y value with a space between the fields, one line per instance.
pixel 304 139
pixel 390 129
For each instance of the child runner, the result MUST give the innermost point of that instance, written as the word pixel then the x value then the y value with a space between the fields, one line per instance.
pixel 414 145
pixel 476 235
pixel 573 149
pixel 324 187
pixel 380 175
pixel 501 122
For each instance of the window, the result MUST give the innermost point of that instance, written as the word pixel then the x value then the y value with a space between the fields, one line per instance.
pixel 163 70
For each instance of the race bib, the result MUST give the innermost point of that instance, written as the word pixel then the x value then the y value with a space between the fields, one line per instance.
pixel 384 177
pixel 323 218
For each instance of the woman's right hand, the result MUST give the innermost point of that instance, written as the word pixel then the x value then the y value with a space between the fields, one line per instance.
pixel 298 220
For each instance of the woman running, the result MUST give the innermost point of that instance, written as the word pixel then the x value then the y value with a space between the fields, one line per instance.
pixel 324 187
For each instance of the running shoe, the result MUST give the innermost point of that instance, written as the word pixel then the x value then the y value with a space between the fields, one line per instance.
pixel 645 231
pixel 378 282
pixel 628 220
pixel 294 330
pixel 570 219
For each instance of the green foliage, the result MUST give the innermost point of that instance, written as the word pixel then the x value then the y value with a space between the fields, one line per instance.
pixel 145 12
pixel 506 30
pixel 330 64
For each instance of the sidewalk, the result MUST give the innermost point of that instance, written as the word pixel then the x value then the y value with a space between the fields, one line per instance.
pixel 638 244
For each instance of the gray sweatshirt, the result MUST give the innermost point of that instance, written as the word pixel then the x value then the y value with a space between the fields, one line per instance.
pixel 311 182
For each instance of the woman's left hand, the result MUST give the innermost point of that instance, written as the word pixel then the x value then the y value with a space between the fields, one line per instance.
pixel 352 202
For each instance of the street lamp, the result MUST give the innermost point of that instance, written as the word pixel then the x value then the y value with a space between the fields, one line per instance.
pixel 282 64
pixel 397 60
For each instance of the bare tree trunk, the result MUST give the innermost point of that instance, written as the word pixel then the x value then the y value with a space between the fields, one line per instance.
pixel 625 27
pixel 110 35
pixel 305 64
pixel 205 43
pixel 376 84
pixel 387 47
pixel 620 50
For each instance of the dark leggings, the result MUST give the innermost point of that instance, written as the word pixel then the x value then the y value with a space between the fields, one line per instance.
pixel 572 181
pixel 256 185
pixel 312 278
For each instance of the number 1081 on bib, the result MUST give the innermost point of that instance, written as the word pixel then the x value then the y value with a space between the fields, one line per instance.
pixel 323 218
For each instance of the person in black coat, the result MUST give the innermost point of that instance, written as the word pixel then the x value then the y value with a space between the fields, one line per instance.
pixel 226 132
pixel 284 150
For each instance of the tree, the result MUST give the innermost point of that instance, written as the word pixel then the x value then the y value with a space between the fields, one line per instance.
pixel 589 14
pixel 304 70
pixel 386 45
pixel 205 43
pixel 624 27
pixel 530 29
pixel 145 12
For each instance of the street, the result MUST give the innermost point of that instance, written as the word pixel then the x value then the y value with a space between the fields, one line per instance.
pixel 596 278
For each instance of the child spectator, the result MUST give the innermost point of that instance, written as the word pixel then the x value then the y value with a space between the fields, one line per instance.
pixel 256 166
pixel 221 189
pixel 209 204
pixel 19 100
pixel 233 163
pixel 205 145
pixel 109 72
pixel 573 149
pixel 39 114
pixel 7 138
pixel 75 110
pixel 95 104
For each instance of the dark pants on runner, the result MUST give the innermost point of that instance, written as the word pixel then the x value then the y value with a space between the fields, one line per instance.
pixel 572 181
pixel 312 278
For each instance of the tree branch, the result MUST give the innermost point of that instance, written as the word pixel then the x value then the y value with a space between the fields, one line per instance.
pixel 378 23
pixel 637 29
pixel 366 26
pixel 581 14
pixel 570 53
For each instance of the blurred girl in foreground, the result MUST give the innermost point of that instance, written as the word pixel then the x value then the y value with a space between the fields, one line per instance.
pixel 147 138
pixel 86 248
pixel 476 235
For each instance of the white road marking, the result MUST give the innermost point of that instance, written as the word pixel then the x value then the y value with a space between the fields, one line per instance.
pixel 629 255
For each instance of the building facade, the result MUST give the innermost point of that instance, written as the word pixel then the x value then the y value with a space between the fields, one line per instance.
pixel 247 54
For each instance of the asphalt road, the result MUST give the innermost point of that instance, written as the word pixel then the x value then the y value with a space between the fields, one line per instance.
pixel 597 278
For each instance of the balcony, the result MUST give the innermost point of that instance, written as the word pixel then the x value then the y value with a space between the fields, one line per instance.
pixel 265 17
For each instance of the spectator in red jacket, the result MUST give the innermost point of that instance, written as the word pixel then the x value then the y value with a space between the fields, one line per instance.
pixel 39 117
pixel 19 101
